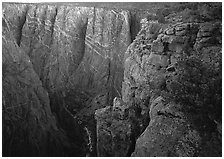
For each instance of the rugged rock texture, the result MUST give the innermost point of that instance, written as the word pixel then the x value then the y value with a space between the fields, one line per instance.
pixel 52 36
pixel 113 130
pixel 29 127
pixel 67 43
pixel 107 38
pixel 69 61
pixel 171 131
pixel 149 61
pixel 151 56
pixel 77 53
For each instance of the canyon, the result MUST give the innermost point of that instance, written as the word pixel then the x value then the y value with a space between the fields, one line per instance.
pixel 97 80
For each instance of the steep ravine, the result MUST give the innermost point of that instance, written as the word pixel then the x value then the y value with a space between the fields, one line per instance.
pixel 93 81
pixel 77 54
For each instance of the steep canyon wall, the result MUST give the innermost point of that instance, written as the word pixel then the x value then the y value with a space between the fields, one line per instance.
pixel 98 81
pixel 76 56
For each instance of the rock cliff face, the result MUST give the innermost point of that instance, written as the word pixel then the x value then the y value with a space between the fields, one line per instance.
pixel 29 127
pixel 78 81
pixel 165 127
pixel 172 131
pixel 75 52
pixel 68 43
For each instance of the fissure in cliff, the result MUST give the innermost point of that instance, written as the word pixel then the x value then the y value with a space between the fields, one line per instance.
pixel 69 62
pixel 54 39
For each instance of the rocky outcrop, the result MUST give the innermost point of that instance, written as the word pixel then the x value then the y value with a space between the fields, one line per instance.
pixel 149 61
pixel 113 130
pixel 168 134
pixel 171 131
pixel 74 60
pixel 152 55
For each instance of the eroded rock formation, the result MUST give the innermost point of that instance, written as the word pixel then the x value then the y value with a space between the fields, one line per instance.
pixel 77 54
pixel 113 130
pixel 164 127
pixel 78 81
pixel 171 132
pixel 29 127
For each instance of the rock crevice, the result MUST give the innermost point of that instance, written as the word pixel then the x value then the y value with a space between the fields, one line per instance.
pixel 94 81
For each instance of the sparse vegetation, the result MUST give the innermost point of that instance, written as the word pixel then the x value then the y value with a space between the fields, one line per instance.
pixel 196 83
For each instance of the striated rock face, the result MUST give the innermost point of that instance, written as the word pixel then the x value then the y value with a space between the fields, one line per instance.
pixel 66 44
pixel 29 127
pixel 101 71
pixel 63 63
pixel 107 38
pixel 76 52
pixel 70 48
pixel 52 36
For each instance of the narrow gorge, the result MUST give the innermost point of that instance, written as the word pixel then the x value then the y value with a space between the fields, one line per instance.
pixel 112 79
